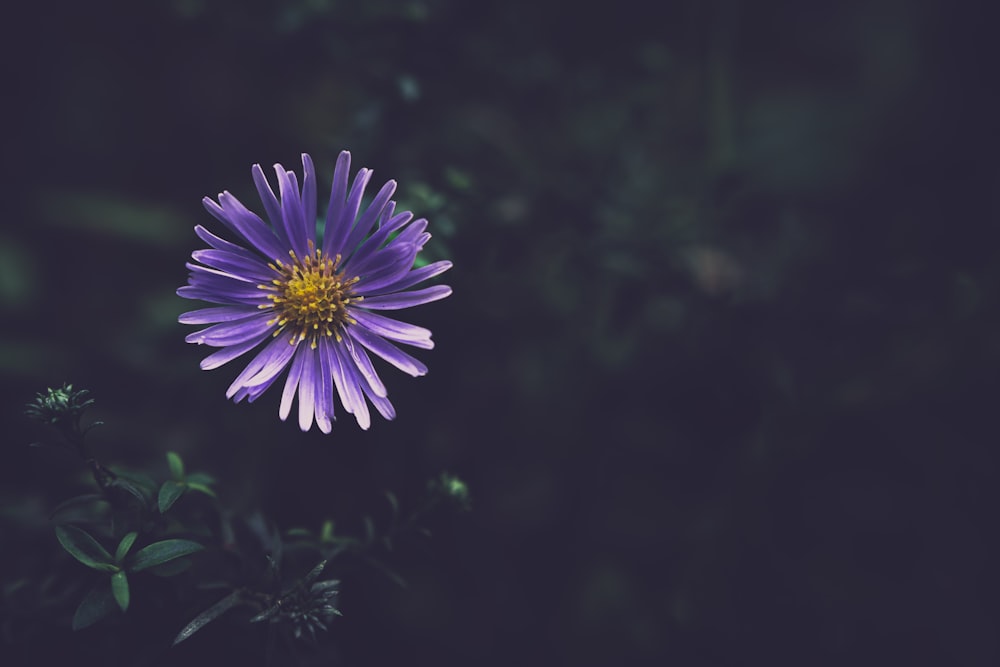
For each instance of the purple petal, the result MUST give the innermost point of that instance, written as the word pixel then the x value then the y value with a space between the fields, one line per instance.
pixel 234 332
pixel 263 357
pixel 221 284
pixel 213 315
pixel 351 375
pixel 220 243
pixel 353 205
pixel 375 241
pixel 207 272
pixel 333 235
pixel 252 393
pixel 364 366
pixel 388 351
pixel 368 218
pixel 409 280
pixel 249 224
pixel 345 221
pixel 347 386
pixel 309 195
pixel 271 205
pixel 227 296
pixel 381 404
pixel 223 245
pixel 422 240
pixel 387 213
pixel 393 221
pixel 227 354
pixel 292 383
pixel 384 265
pixel 307 387
pixel 240 395
pixel 395 330
pixel 413 232
pixel 291 211
pixel 232 213
pixel 275 364
pixel 406 299
pixel 235 265
pixel 324 404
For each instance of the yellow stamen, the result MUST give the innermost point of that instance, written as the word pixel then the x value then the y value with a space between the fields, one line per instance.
pixel 310 298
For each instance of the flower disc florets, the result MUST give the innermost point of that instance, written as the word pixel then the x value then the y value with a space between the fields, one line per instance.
pixel 310 298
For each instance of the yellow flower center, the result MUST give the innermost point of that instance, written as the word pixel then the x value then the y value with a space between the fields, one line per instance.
pixel 310 297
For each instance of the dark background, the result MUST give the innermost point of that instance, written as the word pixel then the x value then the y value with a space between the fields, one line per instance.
pixel 721 364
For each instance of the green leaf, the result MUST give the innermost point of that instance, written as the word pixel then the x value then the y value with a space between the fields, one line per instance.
pixel 169 493
pixel 119 588
pixel 137 484
pixel 204 618
pixel 129 487
pixel 170 568
pixel 85 548
pixel 86 429
pixel 200 478
pixel 141 481
pixel 176 466
pixel 195 486
pixel 161 552
pixel 97 604
pixel 124 546
pixel 326 531
pixel 314 573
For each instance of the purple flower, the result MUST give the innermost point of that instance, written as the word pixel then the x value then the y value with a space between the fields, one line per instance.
pixel 311 301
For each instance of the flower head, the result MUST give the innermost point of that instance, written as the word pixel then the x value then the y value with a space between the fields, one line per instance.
pixel 310 299
pixel 59 406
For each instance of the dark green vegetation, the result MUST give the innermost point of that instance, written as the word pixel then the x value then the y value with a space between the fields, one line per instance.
pixel 722 357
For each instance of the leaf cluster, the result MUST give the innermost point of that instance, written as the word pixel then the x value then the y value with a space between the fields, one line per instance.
pixel 126 508
pixel 101 600
pixel 172 489
pixel 137 528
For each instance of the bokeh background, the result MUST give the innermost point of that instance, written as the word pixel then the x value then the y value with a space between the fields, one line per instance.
pixel 721 363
